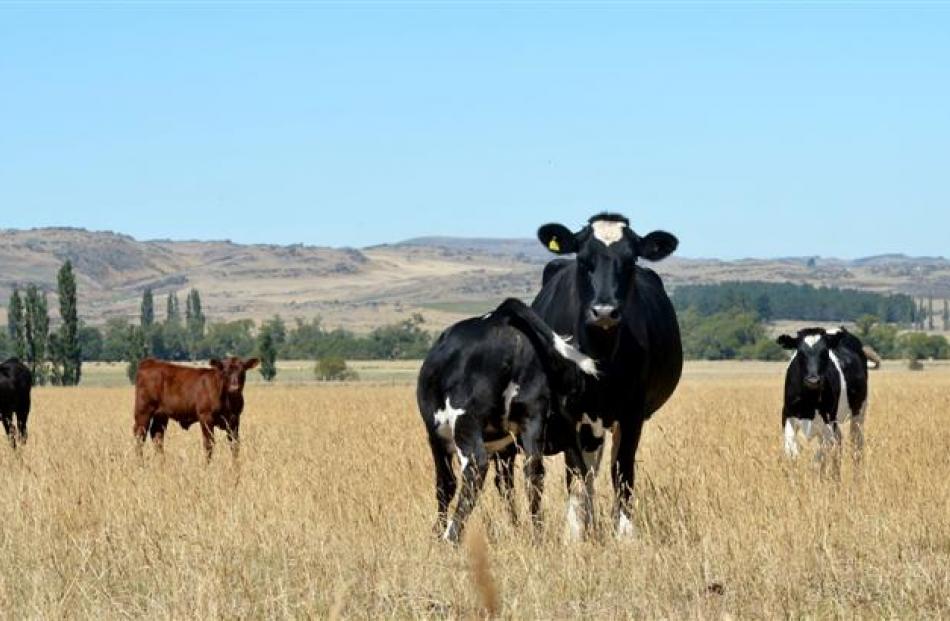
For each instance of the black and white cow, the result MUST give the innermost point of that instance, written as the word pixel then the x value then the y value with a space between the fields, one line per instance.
pixel 826 384
pixel 618 314
pixel 486 388
pixel 16 381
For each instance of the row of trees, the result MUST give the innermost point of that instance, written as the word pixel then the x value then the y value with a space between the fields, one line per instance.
pixel 53 356
pixel 771 301
pixel 183 336
pixel 926 314
pixel 741 334
pixel 890 342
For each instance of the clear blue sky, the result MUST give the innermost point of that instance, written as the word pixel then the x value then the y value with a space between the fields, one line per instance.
pixel 747 129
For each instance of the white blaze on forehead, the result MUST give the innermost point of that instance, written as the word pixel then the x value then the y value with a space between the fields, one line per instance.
pixel 586 363
pixel 812 339
pixel 608 231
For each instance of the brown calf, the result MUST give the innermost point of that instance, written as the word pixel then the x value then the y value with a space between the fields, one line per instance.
pixel 212 397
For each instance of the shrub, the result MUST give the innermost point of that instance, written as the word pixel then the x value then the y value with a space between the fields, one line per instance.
pixel 334 369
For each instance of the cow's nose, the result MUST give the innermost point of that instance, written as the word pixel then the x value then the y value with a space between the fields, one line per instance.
pixel 812 381
pixel 604 315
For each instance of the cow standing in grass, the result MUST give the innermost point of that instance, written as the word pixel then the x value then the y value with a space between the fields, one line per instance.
pixel 826 385
pixel 16 381
pixel 487 386
pixel 618 314
pixel 211 397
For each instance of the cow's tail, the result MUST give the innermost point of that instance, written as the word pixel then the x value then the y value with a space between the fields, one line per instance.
pixel 874 360
pixel 560 358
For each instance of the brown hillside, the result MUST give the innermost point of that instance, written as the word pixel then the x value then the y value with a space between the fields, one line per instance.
pixel 442 278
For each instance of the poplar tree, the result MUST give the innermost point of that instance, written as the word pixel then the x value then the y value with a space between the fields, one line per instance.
pixel 16 324
pixel 194 322
pixel 37 333
pixel 147 317
pixel 69 352
pixel 172 310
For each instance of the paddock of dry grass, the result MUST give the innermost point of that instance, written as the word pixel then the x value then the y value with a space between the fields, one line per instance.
pixel 328 513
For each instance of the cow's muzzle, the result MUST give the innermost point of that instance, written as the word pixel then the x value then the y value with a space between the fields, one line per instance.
pixel 812 382
pixel 603 316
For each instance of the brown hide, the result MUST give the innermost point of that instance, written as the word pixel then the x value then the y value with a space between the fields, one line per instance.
pixel 212 397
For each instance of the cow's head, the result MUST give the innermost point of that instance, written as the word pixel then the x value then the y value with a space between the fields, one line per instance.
pixel 607 250
pixel 812 347
pixel 233 371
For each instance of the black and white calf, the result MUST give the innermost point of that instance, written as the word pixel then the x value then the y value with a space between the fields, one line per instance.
pixel 826 384
pixel 486 388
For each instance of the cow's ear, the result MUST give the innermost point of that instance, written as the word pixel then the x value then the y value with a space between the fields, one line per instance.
pixel 833 338
pixel 251 363
pixel 557 238
pixel 657 245
pixel 787 342
pixel 216 364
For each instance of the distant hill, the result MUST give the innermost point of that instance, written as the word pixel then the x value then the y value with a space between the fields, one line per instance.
pixel 443 278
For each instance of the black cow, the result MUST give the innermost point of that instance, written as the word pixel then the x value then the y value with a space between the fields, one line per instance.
pixel 16 381
pixel 620 315
pixel 486 387
pixel 826 384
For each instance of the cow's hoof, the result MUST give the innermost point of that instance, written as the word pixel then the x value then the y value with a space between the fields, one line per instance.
pixel 626 531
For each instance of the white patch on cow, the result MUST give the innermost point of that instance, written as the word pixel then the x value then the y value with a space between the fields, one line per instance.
pixel 445 420
pixel 625 528
pixel 596 425
pixel 447 535
pixel 844 409
pixel 586 363
pixel 792 359
pixel 832 331
pixel 607 231
pixel 811 340
pixel 511 391
pixel 791 444
pixel 463 460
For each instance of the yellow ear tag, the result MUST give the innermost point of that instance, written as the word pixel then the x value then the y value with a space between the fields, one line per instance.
pixel 553 245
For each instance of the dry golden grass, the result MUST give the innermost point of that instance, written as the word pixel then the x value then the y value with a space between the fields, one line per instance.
pixel 328 514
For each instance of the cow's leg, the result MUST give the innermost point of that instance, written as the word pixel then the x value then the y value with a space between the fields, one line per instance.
pixel 207 432
pixel 474 462
pixel 504 461
pixel 7 418
pixel 234 438
pixel 445 481
pixel 532 443
pixel 583 461
pixel 830 447
pixel 22 414
pixel 157 432
pixel 626 440
pixel 790 437
pixel 141 421
pixel 857 434
pixel 580 471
